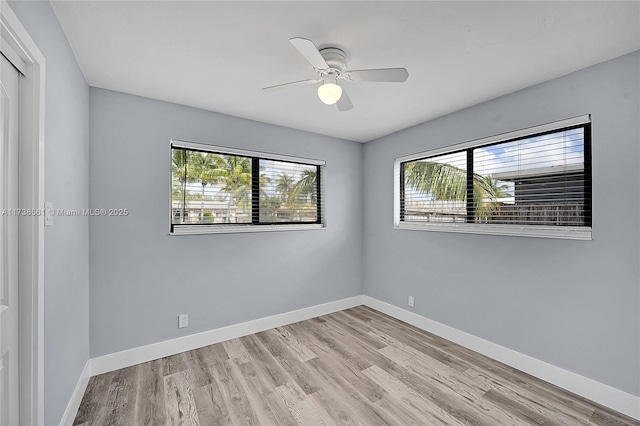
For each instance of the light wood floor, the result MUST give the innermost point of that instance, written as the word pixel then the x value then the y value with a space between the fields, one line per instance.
pixel 356 367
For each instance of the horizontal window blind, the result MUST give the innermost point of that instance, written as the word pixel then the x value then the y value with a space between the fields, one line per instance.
pixel 217 189
pixel 540 179
pixel 435 189
pixel 289 192
pixel 534 181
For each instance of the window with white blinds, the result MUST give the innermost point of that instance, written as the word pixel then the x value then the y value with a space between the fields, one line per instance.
pixel 217 189
pixel 534 182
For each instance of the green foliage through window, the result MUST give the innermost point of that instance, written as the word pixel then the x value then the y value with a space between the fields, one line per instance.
pixel 210 188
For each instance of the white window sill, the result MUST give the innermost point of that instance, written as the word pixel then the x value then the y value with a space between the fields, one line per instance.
pixel 233 229
pixel 561 232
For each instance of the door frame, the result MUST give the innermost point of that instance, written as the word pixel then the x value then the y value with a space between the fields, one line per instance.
pixel 31 228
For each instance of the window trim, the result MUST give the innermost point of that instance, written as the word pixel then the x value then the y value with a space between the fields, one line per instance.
pixel 562 232
pixel 187 229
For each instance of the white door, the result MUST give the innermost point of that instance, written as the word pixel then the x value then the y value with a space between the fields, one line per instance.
pixel 9 379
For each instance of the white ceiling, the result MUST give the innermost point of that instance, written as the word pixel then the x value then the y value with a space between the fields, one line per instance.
pixel 218 55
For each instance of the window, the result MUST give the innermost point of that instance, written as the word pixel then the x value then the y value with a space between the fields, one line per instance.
pixel 217 189
pixel 534 182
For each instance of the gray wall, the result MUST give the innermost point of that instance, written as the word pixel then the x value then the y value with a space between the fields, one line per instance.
pixel 574 304
pixel 66 282
pixel 142 278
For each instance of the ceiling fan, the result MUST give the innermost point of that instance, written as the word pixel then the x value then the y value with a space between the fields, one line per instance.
pixel 331 66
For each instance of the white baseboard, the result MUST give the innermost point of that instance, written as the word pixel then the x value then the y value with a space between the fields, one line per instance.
pixel 76 397
pixel 608 396
pixel 595 391
pixel 114 361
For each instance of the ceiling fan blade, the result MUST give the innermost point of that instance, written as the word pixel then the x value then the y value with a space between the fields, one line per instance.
pixel 310 52
pixel 344 103
pixel 288 85
pixel 397 75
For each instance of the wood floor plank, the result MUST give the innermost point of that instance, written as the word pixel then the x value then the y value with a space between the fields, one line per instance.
pixel 302 408
pixel 331 370
pixel 211 405
pixel 180 405
pixel 492 369
pixel 106 399
pixel 337 360
pixel 421 366
pixel 603 417
pixel 301 351
pixel 211 354
pixel 431 348
pixel 367 348
pixel 345 410
pixel 332 412
pixel 336 344
pixel 422 406
pixel 93 399
pixel 236 351
pixel 297 370
pixel 441 372
pixel 259 379
pixel 462 403
pixel 119 407
pixel 393 409
pixel 357 329
pixel 578 416
pixel 353 367
pixel 410 355
pixel 549 396
pixel 271 369
pixel 350 395
pixel 173 364
pixel 255 395
pixel 197 363
pixel 542 404
pixel 149 407
pixel 234 396
pixel 528 414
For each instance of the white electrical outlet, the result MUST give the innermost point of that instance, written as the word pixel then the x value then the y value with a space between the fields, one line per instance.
pixel 412 301
pixel 183 321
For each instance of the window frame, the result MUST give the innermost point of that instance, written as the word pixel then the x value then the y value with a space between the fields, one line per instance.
pixel 254 226
pixel 541 231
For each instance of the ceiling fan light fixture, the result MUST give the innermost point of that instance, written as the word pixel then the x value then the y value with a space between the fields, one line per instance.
pixel 329 93
pixel 330 64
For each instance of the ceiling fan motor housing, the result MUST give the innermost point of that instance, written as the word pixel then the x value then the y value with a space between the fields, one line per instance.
pixel 336 59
